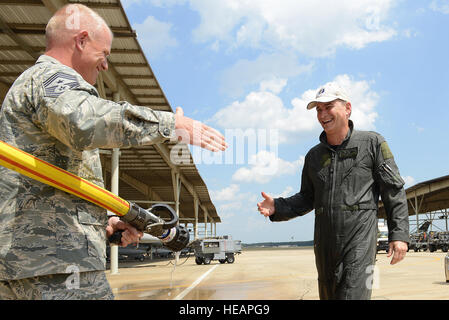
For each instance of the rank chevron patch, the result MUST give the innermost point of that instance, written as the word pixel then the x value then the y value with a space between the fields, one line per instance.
pixel 58 83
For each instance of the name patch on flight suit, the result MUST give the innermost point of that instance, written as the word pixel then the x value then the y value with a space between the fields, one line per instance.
pixel 347 153
pixel 58 83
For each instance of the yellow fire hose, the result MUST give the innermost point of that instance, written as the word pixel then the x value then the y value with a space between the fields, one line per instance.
pixel 37 169
pixel 173 236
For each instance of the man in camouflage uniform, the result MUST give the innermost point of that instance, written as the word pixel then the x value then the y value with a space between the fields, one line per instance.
pixel 342 179
pixel 52 244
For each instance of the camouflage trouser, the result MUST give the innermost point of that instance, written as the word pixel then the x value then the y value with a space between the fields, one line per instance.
pixel 82 286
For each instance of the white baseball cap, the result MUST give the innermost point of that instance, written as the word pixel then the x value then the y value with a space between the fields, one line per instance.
pixel 327 93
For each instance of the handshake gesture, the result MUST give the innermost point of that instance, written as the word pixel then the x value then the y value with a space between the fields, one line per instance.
pixel 266 207
pixel 197 133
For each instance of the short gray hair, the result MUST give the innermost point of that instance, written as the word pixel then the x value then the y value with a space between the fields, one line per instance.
pixel 344 102
pixel 69 20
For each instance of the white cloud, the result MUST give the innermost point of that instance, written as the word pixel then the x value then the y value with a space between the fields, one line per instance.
pixel 167 3
pixel 409 181
pixel 266 67
pixel 288 191
pixel 226 194
pixel 440 6
pixel 264 109
pixel 274 85
pixel 231 201
pixel 418 128
pixel 265 166
pixel 157 3
pixel 155 36
pixel 363 101
pixel 129 3
pixel 315 28
pixel 256 111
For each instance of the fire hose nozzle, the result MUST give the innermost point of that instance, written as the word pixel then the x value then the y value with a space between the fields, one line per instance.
pixel 172 235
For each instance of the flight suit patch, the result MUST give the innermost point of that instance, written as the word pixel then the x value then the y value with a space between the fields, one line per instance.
pixel 347 153
pixel 386 152
pixel 325 160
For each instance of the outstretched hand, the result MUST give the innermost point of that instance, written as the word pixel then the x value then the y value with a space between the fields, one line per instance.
pixel 266 207
pixel 198 134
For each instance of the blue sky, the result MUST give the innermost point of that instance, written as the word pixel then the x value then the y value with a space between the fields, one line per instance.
pixel 251 66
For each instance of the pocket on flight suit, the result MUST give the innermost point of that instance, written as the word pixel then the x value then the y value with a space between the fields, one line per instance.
pixel 357 180
pixel 360 166
pixel 389 176
pixel 318 226
pixel 71 246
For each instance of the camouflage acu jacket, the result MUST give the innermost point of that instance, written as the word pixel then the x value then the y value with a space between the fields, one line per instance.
pixel 52 113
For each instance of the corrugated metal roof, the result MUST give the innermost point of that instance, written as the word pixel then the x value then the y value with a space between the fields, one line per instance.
pixel 146 174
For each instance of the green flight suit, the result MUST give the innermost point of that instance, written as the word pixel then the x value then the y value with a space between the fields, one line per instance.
pixel 343 185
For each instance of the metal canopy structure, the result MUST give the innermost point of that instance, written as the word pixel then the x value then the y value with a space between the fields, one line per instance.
pixel 429 197
pixel 146 174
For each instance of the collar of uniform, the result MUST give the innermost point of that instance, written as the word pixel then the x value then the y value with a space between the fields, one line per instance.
pixel 45 58
pixel 323 137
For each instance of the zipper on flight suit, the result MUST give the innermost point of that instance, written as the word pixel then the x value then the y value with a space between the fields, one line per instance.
pixel 333 171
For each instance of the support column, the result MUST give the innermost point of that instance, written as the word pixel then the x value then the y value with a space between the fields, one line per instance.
pixel 195 225
pixel 176 189
pixel 445 217
pixel 211 230
pixel 205 224
pixel 416 212
pixel 114 189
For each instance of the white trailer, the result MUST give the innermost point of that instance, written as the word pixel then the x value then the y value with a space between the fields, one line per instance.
pixel 222 249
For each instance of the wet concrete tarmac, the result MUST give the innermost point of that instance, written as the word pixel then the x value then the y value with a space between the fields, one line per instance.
pixel 271 274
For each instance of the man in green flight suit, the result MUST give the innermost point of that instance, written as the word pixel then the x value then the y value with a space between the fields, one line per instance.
pixel 53 244
pixel 342 179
